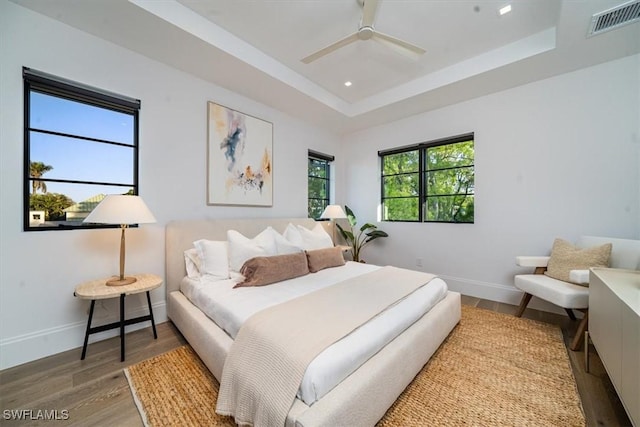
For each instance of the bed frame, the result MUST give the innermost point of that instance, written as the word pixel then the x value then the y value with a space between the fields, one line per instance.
pixel 363 397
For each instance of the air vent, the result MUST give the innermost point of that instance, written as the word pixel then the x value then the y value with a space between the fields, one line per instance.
pixel 615 17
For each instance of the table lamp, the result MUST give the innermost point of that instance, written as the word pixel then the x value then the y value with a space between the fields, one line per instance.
pixel 333 212
pixel 123 210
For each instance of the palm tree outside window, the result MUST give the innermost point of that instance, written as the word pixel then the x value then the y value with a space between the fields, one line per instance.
pixel 36 170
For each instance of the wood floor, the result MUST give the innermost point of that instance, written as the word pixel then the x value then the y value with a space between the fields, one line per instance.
pixel 95 392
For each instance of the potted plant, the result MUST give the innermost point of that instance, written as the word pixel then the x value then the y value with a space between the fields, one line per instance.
pixel 359 239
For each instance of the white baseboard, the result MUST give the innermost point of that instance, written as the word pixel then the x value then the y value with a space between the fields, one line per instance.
pixel 46 342
pixel 496 292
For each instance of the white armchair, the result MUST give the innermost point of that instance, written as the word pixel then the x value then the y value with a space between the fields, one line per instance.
pixel 563 294
pixel 570 296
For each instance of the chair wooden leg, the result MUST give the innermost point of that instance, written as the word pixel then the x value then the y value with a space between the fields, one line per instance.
pixel 579 337
pixel 523 304
pixel 570 313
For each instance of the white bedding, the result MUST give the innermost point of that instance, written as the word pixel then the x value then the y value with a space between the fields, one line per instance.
pixel 229 308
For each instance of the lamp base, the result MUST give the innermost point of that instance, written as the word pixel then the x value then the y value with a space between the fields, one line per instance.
pixel 116 281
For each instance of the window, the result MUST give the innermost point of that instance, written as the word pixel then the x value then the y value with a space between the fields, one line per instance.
pixel 429 182
pixel 80 144
pixel 319 183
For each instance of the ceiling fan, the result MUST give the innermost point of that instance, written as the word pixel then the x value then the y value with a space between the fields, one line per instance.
pixel 367 32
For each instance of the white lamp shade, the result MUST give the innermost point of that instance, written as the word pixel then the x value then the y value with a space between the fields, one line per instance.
pixel 122 210
pixel 333 212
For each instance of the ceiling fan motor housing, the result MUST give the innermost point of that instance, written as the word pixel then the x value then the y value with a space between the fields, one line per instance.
pixel 365 33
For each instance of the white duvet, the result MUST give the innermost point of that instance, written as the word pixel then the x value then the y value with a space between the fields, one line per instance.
pixel 229 308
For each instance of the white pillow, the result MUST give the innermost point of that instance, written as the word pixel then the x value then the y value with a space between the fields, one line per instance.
pixel 283 245
pixel 214 260
pixel 292 234
pixel 316 238
pixel 242 248
pixel 192 263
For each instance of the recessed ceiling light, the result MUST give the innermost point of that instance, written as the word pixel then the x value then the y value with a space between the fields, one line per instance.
pixel 505 9
pixel 347 84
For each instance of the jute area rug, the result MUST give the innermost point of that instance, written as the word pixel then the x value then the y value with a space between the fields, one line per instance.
pixel 493 370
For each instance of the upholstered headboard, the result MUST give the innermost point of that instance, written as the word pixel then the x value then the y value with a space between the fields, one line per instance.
pixel 180 236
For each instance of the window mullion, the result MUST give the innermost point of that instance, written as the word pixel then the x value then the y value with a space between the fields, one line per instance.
pixel 422 187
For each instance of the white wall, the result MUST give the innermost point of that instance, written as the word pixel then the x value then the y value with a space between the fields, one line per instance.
pixel 555 158
pixel 38 270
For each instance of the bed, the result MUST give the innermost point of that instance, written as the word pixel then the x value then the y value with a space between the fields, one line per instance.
pixel 361 398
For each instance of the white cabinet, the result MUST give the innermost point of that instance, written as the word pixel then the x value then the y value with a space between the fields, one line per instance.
pixel 614 327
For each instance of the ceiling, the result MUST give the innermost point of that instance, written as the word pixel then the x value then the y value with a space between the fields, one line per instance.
pixel 255 47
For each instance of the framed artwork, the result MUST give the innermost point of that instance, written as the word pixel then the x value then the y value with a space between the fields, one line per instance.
pixel 239 158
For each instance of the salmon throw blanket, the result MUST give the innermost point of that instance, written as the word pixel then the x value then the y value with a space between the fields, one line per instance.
pixel 273 348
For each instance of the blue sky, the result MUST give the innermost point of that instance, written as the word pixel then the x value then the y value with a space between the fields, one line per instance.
pixel 77 159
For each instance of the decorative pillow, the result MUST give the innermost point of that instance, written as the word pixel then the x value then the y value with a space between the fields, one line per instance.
pixel 283 245
pixel 316 238
pixel 320 259
pixel 192 263
pixel 242 248
pixel 260 271
pixel 214 260
pixel 566 257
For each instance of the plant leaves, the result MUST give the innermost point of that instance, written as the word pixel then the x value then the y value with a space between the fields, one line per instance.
pixel 346 234
pixel 365 234
pixel 350 216
pixel 377 233
pixel 367 226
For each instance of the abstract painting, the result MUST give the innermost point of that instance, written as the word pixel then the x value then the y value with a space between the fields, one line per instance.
pixel 240 147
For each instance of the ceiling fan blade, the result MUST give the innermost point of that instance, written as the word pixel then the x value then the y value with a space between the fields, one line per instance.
pixel 334 46
pixel 370 7
pixel 397 44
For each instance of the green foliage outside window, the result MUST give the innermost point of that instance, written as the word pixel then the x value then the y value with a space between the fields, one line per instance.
pixel 53 205
pixel 430 182
pixel 318 186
